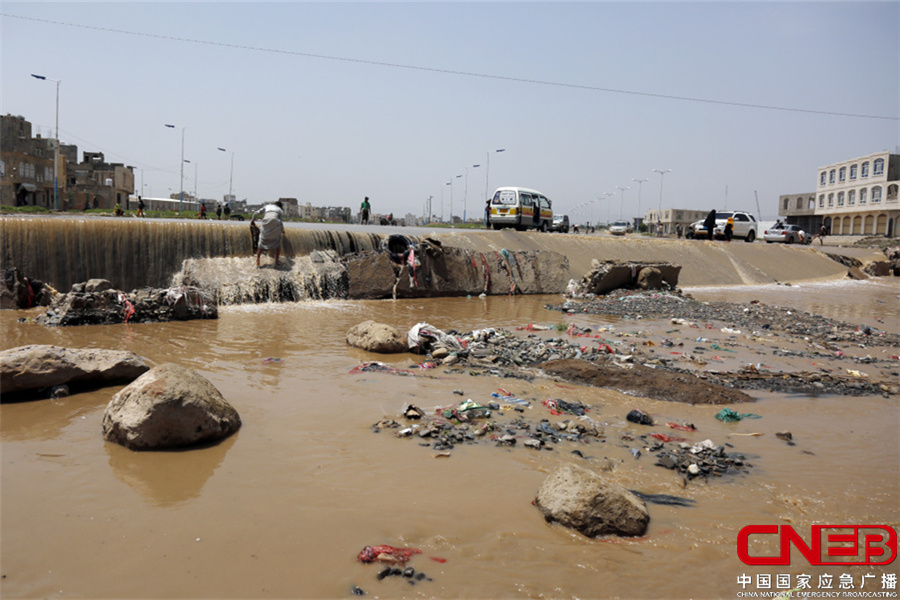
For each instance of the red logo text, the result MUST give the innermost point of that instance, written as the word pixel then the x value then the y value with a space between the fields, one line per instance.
pixel 843 544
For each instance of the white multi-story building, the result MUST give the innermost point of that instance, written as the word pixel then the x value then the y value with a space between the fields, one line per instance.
pixel 853 197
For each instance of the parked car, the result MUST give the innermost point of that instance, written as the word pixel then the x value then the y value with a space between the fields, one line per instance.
pixel 620 228
pixel 789 234
pixel 696 230
pixel 560 223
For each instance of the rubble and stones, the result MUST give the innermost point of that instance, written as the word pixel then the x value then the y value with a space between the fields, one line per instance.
pixel 168 407
pixel 95 302
pixel 40 368
pixel 18 291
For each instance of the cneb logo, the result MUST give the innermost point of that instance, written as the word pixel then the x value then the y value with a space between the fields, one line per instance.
pixel 856 544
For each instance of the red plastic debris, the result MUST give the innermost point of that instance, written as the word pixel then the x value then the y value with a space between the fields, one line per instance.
pixel 665 438
pixel 387 554
pixel 682 427
pixel 438 559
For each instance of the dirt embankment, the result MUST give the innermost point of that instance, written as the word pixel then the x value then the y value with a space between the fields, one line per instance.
pixel 646 382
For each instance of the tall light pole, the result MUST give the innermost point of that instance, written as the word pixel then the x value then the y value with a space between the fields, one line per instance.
pixel 56 146
pixel 622 199
pixel 451 198
pixel 466 192
pixel 640 185
pixel 181 185
pixel 487 173
pixel 662 173
pixel 450 183
pixel 231 173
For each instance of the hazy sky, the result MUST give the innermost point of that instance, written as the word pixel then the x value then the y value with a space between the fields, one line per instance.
pixel 330 102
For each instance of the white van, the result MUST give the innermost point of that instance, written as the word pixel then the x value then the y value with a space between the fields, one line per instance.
pixel 520 208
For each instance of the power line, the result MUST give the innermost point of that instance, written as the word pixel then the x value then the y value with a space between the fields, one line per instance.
pixel 363 61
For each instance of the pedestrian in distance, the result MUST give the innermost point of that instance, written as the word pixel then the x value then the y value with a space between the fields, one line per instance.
pixel 140 211
pixel 364 209
pixel 729 229
pixel 228 210
pixel 271 229
pixel 710 223
pixel 218 211
pixel 202 214
pixel 679 230
pixel 823 231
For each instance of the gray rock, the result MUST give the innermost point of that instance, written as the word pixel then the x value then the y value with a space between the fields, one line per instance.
pixel 377 337
pixel 582 500
pixel 168 407
pixel 29 368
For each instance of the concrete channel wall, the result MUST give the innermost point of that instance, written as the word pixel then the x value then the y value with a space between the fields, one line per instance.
pixel 137 253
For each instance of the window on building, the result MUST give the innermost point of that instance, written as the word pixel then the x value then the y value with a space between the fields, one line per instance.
pixel 822 177
pixel 2 168
pixel 876 194
pixel 787 203
pixel 862 195
pixel 842 174
pixel 851 197
pixel 853 170
pixel 878 168
pixel 864 172
pixel 812 203
pixel 831 199
pixel 822 201
pixel 892 192
pixel 840 198
pixel 831 177
pixel 799 203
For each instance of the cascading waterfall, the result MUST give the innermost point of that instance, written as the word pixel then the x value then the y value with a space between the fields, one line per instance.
pixel 136 253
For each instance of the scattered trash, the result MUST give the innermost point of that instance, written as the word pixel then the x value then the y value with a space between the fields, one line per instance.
pixel 665 438
pixel 685 427
pixel 727 415
pixel 270 360
pixel 636 416
pixel 664 499
pixel 558 407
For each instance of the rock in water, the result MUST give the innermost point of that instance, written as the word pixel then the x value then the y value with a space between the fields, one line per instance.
pixel 584 501
pixel 168 407
pixel 377 337
pixel 28 368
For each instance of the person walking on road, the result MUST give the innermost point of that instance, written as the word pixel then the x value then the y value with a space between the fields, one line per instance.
pixel 140 211
pixel 729 229
pixel 710 223
pixel 364 209
pixel 823 231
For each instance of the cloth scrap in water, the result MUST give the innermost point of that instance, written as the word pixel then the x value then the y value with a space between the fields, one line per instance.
pixel 271 359
pixel 387 554
pixel 375 366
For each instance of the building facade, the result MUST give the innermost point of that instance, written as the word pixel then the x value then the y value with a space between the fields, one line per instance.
pixel 26 165
pixel 671 218
pixel 853 197
pixel 26 172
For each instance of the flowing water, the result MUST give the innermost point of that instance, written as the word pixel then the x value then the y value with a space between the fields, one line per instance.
pixel 281 509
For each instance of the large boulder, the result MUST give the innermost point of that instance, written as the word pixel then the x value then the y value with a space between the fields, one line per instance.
pixel 582 500
pixel 377 337
pixel 30 368
pixel 168 407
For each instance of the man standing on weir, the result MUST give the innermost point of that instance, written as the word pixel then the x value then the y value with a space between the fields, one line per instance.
pixel 364 209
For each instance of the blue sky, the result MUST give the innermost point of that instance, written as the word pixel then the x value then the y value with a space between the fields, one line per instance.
pixel 331 131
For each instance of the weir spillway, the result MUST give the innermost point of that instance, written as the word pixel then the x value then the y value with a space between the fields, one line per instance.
pixel 136 253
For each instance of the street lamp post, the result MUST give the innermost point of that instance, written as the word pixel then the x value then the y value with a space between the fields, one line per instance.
pixel 640 185
pixel 450 183
pixel 451 198
pixel 622 199
pixel 466 192
pixel 487 172
pixel 230 173
pixel 181 185
pixel 661 172
pixel 56 145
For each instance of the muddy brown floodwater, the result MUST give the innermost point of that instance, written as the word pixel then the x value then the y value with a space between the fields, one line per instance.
pixel 281 509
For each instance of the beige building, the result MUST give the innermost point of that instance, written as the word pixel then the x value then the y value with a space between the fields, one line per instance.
pixel 853 197
pixel 672 218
